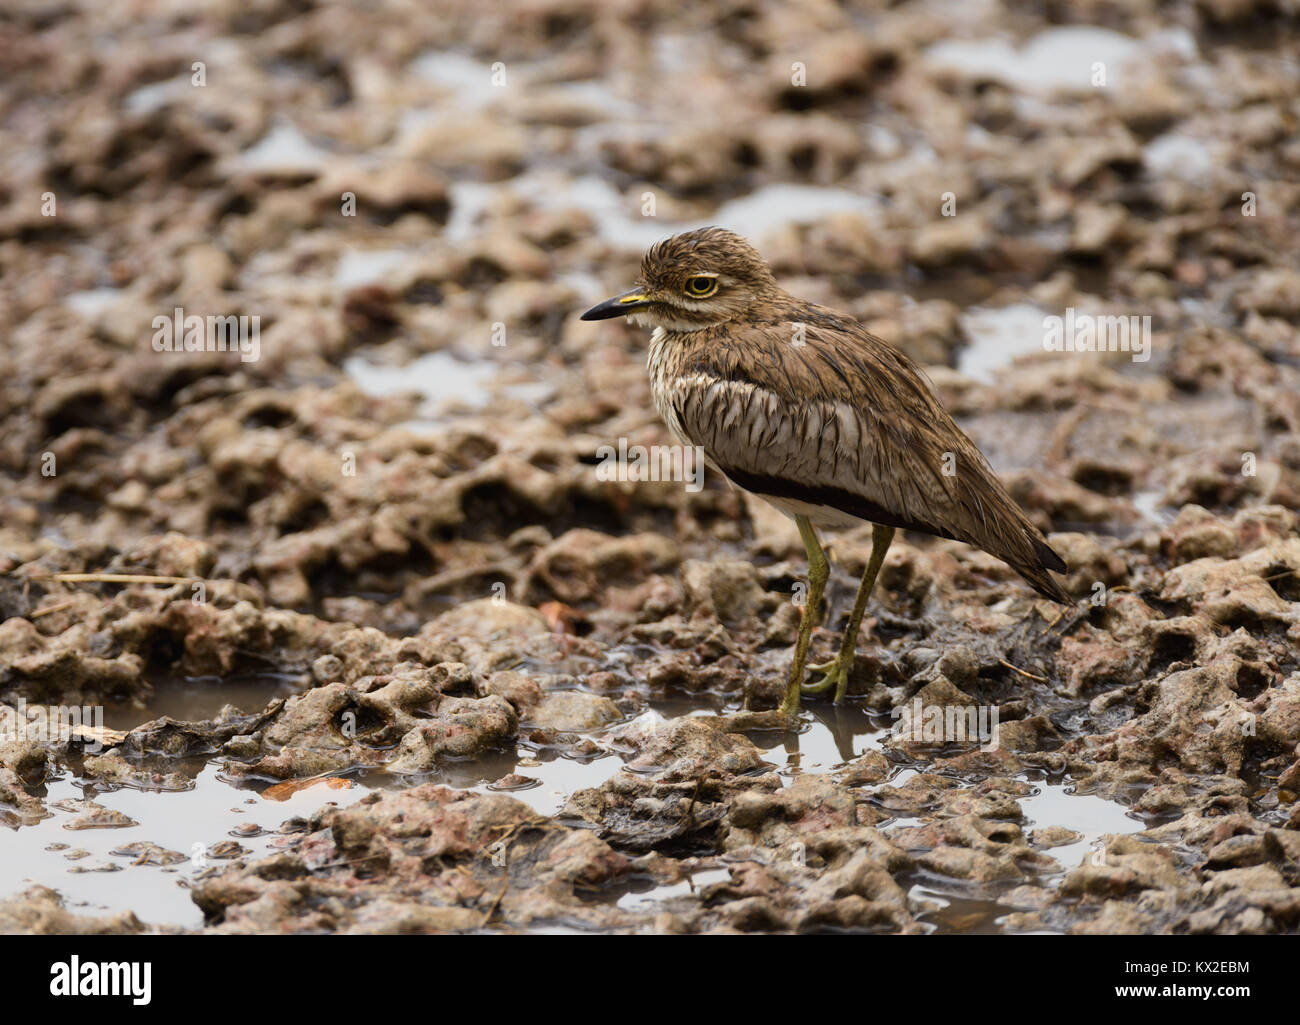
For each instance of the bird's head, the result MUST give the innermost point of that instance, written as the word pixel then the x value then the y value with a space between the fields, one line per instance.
pixel 692 281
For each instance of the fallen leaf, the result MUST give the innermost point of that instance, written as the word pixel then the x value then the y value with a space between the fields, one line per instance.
pixel 284 791
pixel 560 617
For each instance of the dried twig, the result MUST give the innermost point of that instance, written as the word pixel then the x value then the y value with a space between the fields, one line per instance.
pixel 1015 669
pixel 496 901
pixel 53 608
pixel 116 578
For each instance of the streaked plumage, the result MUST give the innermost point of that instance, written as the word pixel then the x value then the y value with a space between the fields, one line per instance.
pixel 804 407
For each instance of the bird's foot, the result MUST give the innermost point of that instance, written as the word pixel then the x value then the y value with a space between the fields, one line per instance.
pixel 790 706
pixel 837 676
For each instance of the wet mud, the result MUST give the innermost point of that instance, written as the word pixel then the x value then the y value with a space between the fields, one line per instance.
pixel 376 647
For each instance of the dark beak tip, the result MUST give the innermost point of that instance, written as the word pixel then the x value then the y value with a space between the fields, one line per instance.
pixel 617 306
pixel 605 311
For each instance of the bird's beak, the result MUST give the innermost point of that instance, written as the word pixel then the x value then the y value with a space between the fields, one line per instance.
pixel 619 306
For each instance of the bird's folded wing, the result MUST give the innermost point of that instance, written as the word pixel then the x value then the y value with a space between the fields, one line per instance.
pixel 818 451
pixel 847 421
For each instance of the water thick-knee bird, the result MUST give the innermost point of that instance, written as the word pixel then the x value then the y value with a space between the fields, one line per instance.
pixel 807 409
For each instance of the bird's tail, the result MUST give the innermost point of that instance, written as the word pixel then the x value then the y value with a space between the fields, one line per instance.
pixel 1036 572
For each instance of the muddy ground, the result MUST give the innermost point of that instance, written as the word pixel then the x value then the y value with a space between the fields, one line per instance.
pixel 392 523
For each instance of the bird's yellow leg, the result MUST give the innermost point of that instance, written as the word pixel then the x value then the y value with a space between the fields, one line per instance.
pixel 837 670
pixel 818 571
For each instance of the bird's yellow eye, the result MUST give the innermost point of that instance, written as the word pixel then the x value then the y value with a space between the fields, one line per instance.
pixel 701 287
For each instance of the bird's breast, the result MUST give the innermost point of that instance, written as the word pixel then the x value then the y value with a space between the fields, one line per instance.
pixel 665 363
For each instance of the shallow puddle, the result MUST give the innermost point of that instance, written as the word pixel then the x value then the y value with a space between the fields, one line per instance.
pixel 1062 58
pixel 81 863
pixel 441 379
pixel 962 907
pixel 1091 816
pixel 956 913
pixel 618 218
pixel 195 698
pixel 997 336
pixel 284 149
pixel 647 896
pixel 189 822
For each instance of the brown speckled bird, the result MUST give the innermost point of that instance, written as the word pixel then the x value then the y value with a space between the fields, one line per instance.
pixel 805 408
